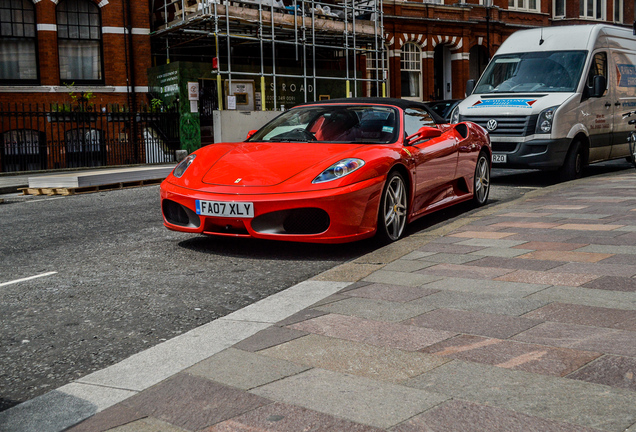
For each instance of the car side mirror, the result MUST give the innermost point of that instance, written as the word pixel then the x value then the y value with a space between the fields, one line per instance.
pixel 599 86
pixel 251 133
pixel 425 132
pixel 470 87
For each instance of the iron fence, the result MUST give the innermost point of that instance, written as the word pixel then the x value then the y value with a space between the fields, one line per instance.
pixel 41 137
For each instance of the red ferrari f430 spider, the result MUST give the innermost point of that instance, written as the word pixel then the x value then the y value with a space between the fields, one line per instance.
pixel 330 172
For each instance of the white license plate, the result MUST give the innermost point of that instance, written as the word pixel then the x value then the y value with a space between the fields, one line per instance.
pixel 499 158
pixel 225 209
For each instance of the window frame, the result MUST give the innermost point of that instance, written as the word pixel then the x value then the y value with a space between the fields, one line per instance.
pixel 33 39
pixel 596 5
pixel 99 39
pixel 514 5
pixel 408 59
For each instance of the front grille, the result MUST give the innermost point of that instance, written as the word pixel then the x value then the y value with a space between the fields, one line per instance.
pixel 506 126
pixel 177 214
pixel 507 147
pixel 306 221
pixel 295 221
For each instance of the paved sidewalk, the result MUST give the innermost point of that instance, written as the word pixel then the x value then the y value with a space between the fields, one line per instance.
pixel 521 317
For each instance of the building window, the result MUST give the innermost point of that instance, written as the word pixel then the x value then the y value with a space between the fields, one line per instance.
pixel 618 11
pixel 79 42
pixel 592 9
pixel 411 71
pixel 525 5
pixel 559 8
pixel 23 150
pixel 18 59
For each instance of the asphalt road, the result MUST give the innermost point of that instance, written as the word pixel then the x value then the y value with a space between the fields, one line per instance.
pixel 123 283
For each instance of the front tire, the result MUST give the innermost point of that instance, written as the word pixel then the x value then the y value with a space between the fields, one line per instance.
pixel 632 149
pixel 393 208
pixel 573 166
pixel 481 182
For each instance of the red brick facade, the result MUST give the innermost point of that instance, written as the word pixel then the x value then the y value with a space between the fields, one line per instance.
pixel 115 53
pixel 459 27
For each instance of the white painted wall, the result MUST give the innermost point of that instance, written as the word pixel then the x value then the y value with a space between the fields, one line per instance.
pixel 233 126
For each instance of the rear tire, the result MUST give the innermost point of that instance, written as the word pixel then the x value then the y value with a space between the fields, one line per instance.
pixel 393 209
pixel 573 166
pixel 632 149
pixel 481 182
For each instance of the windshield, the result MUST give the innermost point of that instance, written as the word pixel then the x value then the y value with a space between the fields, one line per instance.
pixel 332 123
pixel 550 71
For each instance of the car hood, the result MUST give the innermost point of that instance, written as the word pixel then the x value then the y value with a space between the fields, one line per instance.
pixel 268 164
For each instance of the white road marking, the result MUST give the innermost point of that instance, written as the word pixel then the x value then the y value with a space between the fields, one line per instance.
pixel 27 278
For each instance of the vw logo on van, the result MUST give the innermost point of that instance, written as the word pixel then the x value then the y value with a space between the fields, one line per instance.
pixel 491 125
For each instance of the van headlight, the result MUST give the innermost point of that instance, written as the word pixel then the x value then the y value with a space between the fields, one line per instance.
pixel 546 117
pixel 454 117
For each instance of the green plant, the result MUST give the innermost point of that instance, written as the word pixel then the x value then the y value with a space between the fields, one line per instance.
pixel 82 99
pixel 156 105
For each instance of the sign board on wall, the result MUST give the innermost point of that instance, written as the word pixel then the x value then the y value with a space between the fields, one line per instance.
pixel 193 91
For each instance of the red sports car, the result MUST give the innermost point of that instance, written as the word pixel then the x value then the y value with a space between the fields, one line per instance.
pixel 330 172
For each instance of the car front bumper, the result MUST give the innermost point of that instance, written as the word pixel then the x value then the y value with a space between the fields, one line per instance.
pixel 327 216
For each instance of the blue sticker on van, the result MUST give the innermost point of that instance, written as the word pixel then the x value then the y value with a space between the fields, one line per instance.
pixel 626 75
pixel 507 103
pixel 388 129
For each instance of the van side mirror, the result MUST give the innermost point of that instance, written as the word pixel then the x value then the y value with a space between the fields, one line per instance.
pixel 470 87
pixel 425 132
pixel 599 86
pixel 250 133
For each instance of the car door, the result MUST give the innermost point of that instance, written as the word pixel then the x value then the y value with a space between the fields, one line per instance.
pixel 435 161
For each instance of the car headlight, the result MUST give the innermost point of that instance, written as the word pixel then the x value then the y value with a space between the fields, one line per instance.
pixel 183 166
pixel 454 117
pixel 339 170
pixel 546 117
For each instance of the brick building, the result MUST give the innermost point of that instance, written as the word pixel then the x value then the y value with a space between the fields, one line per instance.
pixel 73 76
pixel 434 47
pixel 47 43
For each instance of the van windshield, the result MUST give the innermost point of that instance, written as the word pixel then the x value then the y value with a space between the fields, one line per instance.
pixel 549 71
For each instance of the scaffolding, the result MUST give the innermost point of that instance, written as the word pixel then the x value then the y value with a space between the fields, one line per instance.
pixel 329 41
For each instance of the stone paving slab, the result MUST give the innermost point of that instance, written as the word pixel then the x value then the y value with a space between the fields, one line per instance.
pixel 613 283
pixel 280 417
pixel 355 358
pixel 372 309
pixel 392 293
pixel 507 354
pixel 609 341
pixel 586 315
pixel 491 287
pixel 353 398
pixel 552 398
pixel 244 370
pixel 609 370
pixel 516 264
pixel 475 323
pixel 378 333
pixel 493 304
pixel 457 415
pixel 586 296
pixel 449 270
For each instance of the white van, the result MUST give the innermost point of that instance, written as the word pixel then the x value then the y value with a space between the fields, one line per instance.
pixel 555 98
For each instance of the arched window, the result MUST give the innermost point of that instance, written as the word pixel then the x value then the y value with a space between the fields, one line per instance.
pixel 18 59
pixel 411 71
pixel 79 42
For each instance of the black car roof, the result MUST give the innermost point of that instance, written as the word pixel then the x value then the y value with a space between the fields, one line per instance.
pixel 400 103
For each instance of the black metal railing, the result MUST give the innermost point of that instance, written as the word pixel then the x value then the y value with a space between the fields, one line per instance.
pixel 42 137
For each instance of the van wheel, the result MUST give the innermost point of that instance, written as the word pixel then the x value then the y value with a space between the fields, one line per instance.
pixel 573 166
pixel 632 149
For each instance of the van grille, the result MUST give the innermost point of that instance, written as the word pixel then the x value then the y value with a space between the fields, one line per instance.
pixel 507 126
